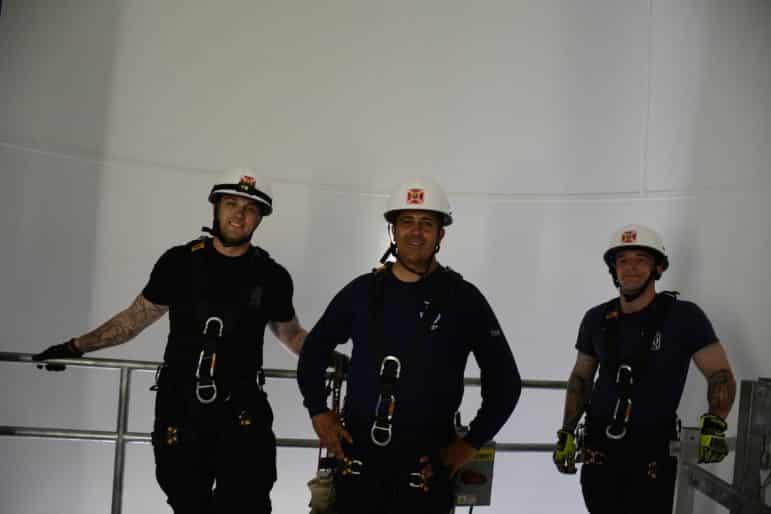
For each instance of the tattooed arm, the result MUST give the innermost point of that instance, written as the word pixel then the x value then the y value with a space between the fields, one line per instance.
pixel 579 390
pixel 121 327
pixel 721 386
pixel 290 333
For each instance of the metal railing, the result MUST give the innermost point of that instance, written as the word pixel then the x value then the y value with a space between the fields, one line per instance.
pixel 752 454
pixel 121 436
pixel 753 448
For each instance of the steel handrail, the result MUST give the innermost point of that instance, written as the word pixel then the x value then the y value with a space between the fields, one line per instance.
pixel 121 436
pixel 91 362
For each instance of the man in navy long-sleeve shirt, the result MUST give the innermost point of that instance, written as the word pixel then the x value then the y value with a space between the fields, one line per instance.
pixel 413 324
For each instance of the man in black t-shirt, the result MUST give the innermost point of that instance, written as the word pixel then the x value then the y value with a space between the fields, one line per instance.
pixel 643 343
pixel 413 324
pixel 213 423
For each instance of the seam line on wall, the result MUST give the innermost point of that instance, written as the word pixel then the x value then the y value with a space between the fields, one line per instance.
pixel 349 189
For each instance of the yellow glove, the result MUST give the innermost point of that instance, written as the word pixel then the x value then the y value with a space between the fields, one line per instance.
pixel 712 443
pixel 565 452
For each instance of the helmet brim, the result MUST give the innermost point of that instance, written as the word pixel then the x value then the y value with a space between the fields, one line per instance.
pixel 390 216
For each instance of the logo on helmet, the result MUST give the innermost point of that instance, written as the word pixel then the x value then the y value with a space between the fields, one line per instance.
pixel 415 196
pixel 247 182
pixel 629 236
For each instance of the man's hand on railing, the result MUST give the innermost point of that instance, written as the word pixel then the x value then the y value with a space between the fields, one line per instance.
pixel 66 350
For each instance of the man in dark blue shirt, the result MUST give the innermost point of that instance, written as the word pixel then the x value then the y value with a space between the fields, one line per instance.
pixel 413 324
pixel 643 343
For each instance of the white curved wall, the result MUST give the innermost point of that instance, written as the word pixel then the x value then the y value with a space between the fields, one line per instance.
pixel 550 123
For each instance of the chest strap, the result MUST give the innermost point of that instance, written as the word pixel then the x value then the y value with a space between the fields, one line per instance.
pixel 391 365
pixel 631 367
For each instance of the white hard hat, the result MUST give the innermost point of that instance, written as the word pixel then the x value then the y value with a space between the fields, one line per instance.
pixel 246 183
pixel 419 194
pixel 635 236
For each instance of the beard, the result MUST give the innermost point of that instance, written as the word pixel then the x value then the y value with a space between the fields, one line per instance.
pixel 231 240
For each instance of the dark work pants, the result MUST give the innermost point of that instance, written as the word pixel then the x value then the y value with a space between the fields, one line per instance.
pixel 383 487
pixel 218 463
pixel 631 486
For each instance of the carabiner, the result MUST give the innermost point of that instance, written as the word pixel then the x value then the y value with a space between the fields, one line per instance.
pixel 216 319
pixel 396 361
pixel 377 429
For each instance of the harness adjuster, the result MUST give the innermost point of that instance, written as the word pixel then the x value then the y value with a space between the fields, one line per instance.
pixel 416 480
pixel 593 456
pixel 202 392
pixel 352 467
pixel 377 430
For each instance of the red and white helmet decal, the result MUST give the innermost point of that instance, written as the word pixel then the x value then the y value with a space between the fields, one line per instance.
pixel 415 196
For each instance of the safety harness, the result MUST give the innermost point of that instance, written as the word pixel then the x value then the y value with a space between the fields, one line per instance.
pixel 631 368
pixel 217 324
pixel 389 364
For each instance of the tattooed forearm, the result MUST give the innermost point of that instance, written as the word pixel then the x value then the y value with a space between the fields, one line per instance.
pixel 576 401
pixel 123 326
pixel 721 392
pixel 290 333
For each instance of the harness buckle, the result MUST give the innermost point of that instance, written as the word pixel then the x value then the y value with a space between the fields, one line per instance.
pixel 376 432
pixel 594 456
pixel 199 392
pixel 417 481
pixel 352 467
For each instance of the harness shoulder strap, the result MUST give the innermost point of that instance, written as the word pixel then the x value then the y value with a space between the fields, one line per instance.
pixel 198 277
pixel 377 286
pixel 611 314
pixel 660 309
pixel 449 282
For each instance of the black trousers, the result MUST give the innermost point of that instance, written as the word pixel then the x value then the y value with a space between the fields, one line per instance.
pixel 218 458
pixel 383 485
pixel 629 486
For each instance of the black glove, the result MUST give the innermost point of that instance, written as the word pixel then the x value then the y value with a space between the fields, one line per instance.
pixel 58 351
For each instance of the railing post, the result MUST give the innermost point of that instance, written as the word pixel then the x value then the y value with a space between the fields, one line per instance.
pixel 120 443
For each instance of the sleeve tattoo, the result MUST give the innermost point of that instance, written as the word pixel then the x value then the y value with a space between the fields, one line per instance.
pixel 576 401
pixel 721 391
pixel 123 326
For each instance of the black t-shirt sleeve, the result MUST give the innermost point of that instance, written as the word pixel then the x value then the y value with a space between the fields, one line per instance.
pixel 162 287
pixel 584 340
pixel 698 329
pixel 499 376
pixel 282 288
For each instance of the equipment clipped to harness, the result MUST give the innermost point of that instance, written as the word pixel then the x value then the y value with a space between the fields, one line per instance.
pixel 205 387
pixel 390 370
pixel 632 368
pixel 617 428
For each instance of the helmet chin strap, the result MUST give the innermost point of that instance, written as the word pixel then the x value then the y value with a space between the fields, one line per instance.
pixel 393 250
pixel 216 232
